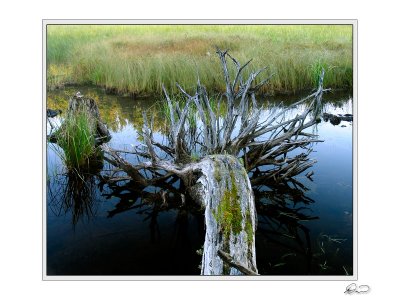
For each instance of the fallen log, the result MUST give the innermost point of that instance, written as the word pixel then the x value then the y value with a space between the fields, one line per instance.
pixel 230 217
pixel 218 180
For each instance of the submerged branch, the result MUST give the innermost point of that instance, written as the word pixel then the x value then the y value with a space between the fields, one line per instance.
pixel 229 260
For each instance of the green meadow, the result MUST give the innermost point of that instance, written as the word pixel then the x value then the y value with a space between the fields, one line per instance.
pixel 139 59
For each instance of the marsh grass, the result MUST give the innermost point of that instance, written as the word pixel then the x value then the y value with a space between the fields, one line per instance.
pixel 76 137
pixel 140 58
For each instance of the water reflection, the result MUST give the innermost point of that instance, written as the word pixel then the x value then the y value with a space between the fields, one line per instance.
pixel 117 112
pixel 300 229
pixel 282 233
pixel 151 203
pixel 73 192
pixel 120 112
pixel 281 209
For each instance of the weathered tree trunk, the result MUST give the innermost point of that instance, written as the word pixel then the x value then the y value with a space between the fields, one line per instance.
pixel 224 190
pixel 79 102
pixel 219 182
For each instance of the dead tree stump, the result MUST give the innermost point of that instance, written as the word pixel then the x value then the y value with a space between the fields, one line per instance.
pixel 79 102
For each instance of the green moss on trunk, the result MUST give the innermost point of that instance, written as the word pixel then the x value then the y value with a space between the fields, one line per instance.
pixel 248 227
pixel 228 213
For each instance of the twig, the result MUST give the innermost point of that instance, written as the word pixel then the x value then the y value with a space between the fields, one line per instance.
pixel 229 260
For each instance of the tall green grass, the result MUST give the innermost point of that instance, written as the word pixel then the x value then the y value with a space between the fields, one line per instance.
pixel 140 58
pixel 76 137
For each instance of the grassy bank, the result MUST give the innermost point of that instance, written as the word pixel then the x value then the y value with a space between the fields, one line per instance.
pixel 140 58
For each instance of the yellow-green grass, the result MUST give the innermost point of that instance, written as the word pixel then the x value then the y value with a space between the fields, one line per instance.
pixel 76 137
pixel 141 58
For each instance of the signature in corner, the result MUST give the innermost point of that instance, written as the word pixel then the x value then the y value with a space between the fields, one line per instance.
pixel 354 289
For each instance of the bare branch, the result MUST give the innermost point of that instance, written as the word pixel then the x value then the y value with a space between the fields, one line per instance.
pixel 229 260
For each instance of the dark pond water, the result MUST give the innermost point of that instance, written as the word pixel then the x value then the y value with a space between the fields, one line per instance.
pixel 304 228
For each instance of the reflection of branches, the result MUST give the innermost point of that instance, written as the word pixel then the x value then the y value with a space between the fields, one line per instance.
pixel 280 218
pixel 281 209
pixel 291 191
pixel 151 203
pixel 152 215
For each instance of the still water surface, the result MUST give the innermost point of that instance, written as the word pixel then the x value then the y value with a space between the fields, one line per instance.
pixel 304 228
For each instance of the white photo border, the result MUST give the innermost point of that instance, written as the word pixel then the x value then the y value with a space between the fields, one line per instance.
pixel 353 22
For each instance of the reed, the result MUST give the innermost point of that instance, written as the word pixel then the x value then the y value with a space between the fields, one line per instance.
pixel 141 58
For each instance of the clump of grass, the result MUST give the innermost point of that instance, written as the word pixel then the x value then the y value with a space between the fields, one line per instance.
pixel 77 139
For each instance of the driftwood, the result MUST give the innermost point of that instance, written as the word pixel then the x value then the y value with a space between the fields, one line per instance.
pixel 229 148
